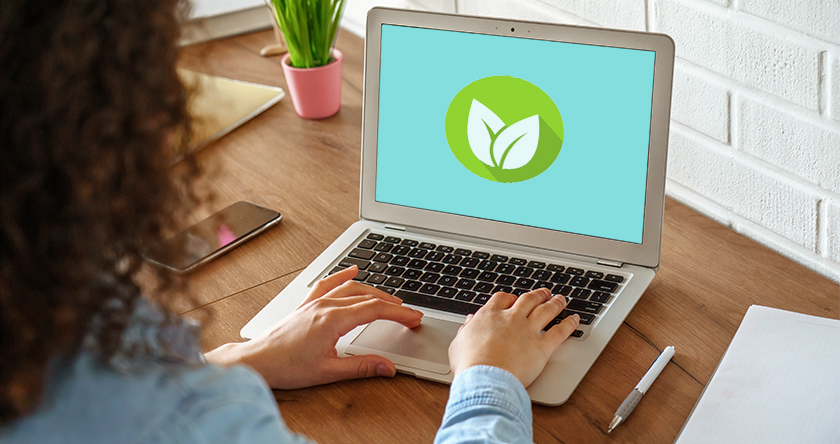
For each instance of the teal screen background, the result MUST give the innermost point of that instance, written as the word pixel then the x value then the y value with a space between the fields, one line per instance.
pixel 596 187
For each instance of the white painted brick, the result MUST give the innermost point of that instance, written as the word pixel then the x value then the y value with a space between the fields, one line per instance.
pixel 355 13
pixel 623 14
pixel 746 192
pixel 520 10
pixel 834 231
pixel 819 18
pixel 802 148
pixel 834 85
pixel 722 43
pixel 700 104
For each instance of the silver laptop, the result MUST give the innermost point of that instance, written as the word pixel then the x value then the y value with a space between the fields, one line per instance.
pixel 501 155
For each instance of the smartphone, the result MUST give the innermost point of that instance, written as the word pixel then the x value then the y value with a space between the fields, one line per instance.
pixel 212 237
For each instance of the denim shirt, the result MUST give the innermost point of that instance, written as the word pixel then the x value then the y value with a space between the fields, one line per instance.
pixel 163 393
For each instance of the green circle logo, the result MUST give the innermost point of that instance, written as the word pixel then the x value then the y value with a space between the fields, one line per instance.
pixel 504 129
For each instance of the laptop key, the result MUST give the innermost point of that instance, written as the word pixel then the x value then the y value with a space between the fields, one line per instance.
pixel 367 244
pixel 463 252
pixel 435 256
pixel 393 240
pixel 487 276
pixel 452 270
pixel 577 333
pixel 560 278
pixel 394 271
pixel 427 246
pixel 383 257
pixel 394 282
pixel 603 286
pixel 503 289
pixel 436 267
pixel 412 285
pixel 524 283
pixel 488 265
pixel 470 262
pixel 452 258
pixel 418 253
pixel 400 261
pixel 409 243
pixel 614 278
pixel 481 299
pixel 579 281
pixel 401 250
pixel 575 271
pixel 506 280
pixel 519 291
pixel 465 284
pixel 361 276
pixel 448 281
pixel 362 254
pixel 541 275
pixel 430 277
pixel 600 296
pixel 349 261
pixel 523 272
pixel 377 267
pixel 555 267
pixel 417 263
pixel 445 249
pixel 594 274
pixel 469 273
pixel 517 261
pixel 436 302
pixel 543 284
pixel 581 293
pixel 430 288
pixel 505 269
pixel 412 274
pixel 336 269
pixel 584 306
pixel 465 295
pixel 384 247
pixel 564 290
pixel 388 290
pixel 535 264
pixel 481 255
pixel 375 236
pixel 376 279
pixel 448 292
pixel 483 287
pixel 499 258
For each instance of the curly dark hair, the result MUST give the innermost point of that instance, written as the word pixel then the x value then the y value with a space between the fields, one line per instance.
pixel 90 107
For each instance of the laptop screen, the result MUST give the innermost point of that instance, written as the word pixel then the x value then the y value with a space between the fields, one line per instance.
pixel 532 132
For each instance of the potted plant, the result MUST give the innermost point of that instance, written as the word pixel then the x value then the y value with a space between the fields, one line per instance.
pixel 312 66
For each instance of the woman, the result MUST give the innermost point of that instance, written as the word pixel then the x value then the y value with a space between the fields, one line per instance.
pixel 90 106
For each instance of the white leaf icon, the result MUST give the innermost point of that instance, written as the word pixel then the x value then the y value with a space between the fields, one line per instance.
pixel 517 144
pixel 482 125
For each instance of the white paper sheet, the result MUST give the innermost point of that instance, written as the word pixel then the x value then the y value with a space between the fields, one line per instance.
pixel 778 382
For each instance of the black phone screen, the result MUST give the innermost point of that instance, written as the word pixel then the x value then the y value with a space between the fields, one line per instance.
pixel 213 235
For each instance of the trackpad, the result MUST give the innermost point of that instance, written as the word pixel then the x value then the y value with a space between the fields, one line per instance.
pixel 425 347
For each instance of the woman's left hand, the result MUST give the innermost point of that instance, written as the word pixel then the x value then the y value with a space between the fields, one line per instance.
pixel 299 351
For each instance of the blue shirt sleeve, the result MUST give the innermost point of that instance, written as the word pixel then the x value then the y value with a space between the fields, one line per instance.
pixel 486 405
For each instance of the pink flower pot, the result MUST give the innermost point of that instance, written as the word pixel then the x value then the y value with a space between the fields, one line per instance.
pixel 316 92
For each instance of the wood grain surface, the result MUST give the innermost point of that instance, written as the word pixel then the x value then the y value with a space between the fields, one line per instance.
pixel 309 171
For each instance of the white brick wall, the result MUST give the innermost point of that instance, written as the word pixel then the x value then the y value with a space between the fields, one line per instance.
pixel 755 140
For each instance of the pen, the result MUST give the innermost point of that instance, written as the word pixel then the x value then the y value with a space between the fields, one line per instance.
pixel 636 395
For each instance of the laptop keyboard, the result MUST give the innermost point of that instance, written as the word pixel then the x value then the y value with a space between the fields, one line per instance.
pixel 459 280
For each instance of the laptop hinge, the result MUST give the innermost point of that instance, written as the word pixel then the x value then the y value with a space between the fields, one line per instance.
pixel 610 263
pixel 394 227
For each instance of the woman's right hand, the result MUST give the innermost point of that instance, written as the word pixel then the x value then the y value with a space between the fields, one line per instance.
pixel 506 333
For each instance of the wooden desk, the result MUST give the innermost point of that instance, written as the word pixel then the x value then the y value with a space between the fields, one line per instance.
pixel 309 170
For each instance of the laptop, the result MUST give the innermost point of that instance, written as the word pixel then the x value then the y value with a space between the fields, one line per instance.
pixel 502 155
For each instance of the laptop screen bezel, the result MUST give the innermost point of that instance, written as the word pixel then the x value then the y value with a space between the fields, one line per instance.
pixel 645 254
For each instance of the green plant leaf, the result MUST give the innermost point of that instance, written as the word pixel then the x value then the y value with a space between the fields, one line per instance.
pixel 482 126
pixel 516 145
